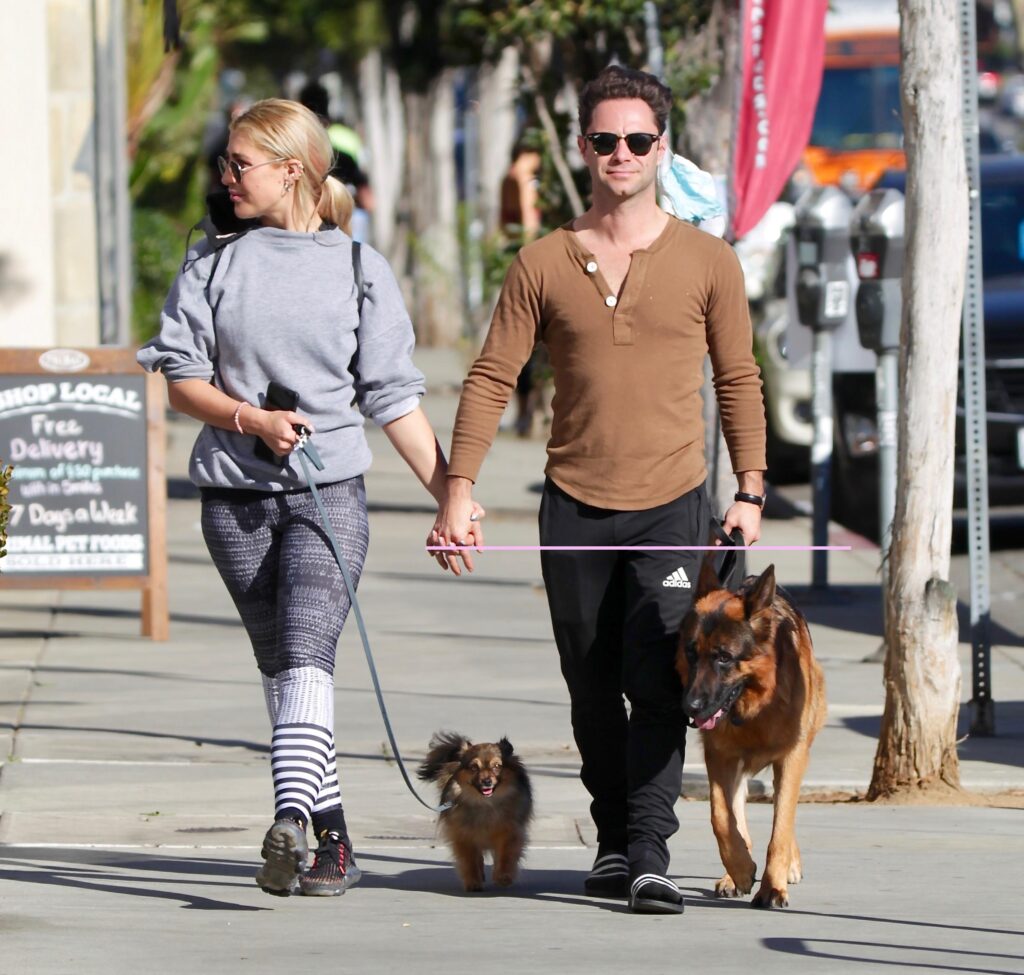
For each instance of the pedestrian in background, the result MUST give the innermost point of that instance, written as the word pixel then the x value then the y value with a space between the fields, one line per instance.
pixel 349 158
pixel 628 301
pixel 520 224
pixel 282 305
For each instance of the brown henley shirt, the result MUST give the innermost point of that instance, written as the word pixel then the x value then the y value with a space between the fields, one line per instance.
pixel 627 431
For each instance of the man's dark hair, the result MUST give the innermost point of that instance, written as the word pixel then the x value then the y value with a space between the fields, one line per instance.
pixel 615 81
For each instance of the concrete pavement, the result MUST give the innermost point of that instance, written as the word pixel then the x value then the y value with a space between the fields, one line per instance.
pixel 136 779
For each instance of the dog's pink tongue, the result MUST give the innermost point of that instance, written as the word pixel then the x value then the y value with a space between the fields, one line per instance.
pixel 708 723
pixel 487 790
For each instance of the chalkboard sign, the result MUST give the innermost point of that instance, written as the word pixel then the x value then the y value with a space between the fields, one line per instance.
pixel 83 430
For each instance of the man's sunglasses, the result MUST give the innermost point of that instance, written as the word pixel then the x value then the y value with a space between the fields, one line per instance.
pixel 638 143
pixel 237 170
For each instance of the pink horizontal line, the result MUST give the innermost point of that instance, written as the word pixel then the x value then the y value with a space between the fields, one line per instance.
pixel 638 548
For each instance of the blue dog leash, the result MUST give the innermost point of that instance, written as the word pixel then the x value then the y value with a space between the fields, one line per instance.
pixel 306 449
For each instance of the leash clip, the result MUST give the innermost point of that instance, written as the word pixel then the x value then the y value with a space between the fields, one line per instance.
pixel 305 444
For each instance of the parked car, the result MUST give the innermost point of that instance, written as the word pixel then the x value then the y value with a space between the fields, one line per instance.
pixel 855 458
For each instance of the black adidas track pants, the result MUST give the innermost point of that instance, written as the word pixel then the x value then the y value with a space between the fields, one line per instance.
pixel 616 617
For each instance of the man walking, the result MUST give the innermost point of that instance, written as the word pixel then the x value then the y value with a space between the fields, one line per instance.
pixel 628 301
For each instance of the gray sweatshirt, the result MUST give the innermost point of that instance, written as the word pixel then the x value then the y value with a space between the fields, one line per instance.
pixel 286 310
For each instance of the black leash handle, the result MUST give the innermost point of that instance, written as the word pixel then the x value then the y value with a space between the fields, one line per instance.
pixel 733 543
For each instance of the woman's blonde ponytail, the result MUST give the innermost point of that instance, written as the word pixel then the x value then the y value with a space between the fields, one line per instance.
pixel 336 204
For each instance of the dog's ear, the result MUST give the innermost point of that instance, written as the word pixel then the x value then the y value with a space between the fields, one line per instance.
pixel 708 580
pixel 444 755
pixel 762 593
pixel 505 747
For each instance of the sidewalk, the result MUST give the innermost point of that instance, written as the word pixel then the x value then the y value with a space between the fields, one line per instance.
pixel 138 779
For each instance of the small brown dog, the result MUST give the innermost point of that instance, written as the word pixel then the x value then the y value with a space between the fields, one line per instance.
pixel 491 804
pixel 753 688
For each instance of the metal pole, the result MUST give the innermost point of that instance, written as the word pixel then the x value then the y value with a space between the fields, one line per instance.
pixel 113 208
pixel 821 451
pixel 982 710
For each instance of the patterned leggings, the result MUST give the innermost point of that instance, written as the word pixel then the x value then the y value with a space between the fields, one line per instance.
pixel 274 557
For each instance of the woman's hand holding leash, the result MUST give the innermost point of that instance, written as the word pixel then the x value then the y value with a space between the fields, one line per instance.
pixel 276 428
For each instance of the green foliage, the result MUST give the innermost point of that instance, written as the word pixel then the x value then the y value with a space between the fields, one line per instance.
pixel 159 240
pixel 285 35
pixel 570 41
pixel 564 41
pixel 586 33
pixel 170 176
pixel 5 508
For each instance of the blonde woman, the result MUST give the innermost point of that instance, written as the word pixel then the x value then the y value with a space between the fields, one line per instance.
pixel 279 303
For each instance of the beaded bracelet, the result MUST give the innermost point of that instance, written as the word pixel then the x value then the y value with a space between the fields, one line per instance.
pixel 238 410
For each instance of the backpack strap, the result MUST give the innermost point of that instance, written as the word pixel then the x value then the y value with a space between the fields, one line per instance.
pixel 218 253
pixel 357 271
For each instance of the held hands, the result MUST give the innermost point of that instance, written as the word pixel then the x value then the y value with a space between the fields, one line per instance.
pixel 457 523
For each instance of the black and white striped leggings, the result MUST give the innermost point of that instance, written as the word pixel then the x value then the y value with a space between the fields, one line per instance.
pixel 274 557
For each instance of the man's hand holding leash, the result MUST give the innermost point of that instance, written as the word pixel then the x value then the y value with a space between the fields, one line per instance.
pixel 748 504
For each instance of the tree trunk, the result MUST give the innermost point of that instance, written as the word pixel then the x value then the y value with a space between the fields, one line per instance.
pixel 707 135
pixel 499 89
pixel 437 311
pixel 917 745
pixel 382 111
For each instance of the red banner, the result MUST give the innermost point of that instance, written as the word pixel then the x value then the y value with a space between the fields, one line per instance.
pixel 783 53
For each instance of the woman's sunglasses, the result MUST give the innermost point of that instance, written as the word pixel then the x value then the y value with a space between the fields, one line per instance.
pixel 638 143
pixel 237 170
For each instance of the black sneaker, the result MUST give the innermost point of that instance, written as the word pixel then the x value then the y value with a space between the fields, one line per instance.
pixel 651 893
pixel 608 876
pixel 284 853
pixel 334 869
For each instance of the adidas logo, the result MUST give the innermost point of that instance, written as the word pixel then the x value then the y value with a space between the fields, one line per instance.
pixel 677 580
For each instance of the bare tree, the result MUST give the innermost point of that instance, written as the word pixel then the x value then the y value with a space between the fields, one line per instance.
pixel 707 136
pixel 430 121
pixel 381 98
pixel 499 88
pixel 917 745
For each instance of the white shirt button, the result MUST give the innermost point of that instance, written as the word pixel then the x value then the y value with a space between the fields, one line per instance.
pixel 591 267
pixel 611 301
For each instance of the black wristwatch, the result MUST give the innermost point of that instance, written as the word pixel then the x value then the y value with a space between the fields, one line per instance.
pixel 749 498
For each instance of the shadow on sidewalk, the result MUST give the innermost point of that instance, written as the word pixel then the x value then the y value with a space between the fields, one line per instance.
pixel 1006 747
pixel 132 874
pixel 969 961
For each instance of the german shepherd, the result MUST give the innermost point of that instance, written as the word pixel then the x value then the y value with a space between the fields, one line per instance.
pixel 753 688
pixel 491 805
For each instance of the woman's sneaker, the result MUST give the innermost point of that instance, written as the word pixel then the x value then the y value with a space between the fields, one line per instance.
pixel 284 853
pixel 334 869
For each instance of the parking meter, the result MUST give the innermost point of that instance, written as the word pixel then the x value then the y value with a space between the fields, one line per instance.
pixel 822 239
pixel 876 239
pixel 822 250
